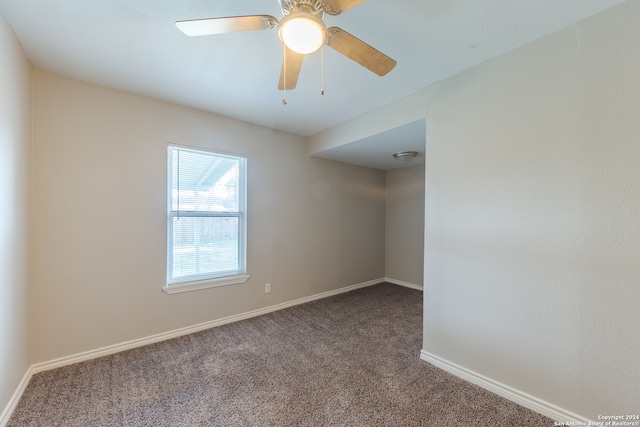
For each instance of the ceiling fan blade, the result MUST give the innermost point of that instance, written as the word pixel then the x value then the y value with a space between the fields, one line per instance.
pixel 360 52
pixel 335 7
pixel 290 69
pixel 205 27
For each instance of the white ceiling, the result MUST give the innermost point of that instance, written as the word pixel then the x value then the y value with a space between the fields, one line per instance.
pixel 377 151
pixel 133 45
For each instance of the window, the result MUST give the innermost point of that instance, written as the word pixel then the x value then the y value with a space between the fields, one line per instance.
pixel 206 198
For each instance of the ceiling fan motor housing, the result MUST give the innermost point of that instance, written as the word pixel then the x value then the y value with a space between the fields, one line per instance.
pixel 313 7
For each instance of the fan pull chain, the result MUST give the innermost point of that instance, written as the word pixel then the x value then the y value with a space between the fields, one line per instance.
pixel 284 74
pixel 322 71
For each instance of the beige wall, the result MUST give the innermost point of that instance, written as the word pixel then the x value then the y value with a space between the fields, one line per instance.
pixel 532 235
pixel 99 221
pixel 15 143
pixel 404 231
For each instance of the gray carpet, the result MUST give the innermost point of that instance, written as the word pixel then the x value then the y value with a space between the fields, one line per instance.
pixel 348 360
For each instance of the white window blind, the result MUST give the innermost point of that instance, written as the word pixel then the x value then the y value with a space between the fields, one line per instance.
pixel 206 218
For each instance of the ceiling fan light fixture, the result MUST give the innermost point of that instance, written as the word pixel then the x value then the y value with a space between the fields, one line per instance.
pixel 302 32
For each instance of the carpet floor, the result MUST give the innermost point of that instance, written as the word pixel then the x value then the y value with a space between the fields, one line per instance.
pixel 347 360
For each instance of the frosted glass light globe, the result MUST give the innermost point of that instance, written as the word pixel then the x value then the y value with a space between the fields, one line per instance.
pixel 302 33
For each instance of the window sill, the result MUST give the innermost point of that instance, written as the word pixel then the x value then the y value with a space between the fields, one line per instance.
pixel 205 284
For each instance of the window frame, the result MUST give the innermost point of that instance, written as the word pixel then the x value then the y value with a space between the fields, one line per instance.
pixel 207 280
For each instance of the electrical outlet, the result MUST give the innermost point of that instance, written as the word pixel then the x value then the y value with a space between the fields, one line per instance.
pixel 267 288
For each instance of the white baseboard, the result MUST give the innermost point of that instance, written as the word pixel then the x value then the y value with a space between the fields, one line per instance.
pixel 116 348
pixel 13 402
pixel 521 398
pixel 405 284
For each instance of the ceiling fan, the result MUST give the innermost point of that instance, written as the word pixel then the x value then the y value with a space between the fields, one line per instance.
pixel 302 31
